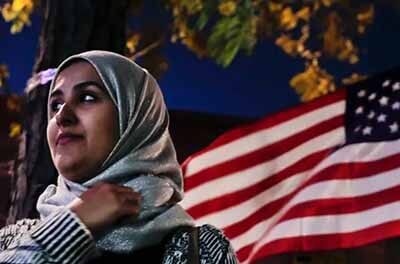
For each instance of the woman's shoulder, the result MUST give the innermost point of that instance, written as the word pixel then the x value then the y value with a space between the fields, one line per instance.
pixel 213 245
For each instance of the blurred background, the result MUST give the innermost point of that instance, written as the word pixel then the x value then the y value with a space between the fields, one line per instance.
pixel 220 64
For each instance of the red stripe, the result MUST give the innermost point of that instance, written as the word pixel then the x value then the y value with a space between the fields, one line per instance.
pixel 215 204
pixel 261 155
pixel 270 121
pixel 340 206
pixel 325 242
pixel 343 205
pixel 339 171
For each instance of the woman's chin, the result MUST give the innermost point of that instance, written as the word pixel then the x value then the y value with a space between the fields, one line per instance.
pixel 71 170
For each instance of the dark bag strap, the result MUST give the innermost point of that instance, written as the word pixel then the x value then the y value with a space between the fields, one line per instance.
pixel 193 249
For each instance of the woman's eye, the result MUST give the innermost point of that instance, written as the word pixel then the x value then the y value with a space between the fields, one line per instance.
pixel 88 98
pixel 55 106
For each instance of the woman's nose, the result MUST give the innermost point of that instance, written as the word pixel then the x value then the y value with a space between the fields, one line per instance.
pixel 66 116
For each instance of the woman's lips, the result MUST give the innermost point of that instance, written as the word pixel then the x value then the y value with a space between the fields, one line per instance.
pixel 66 138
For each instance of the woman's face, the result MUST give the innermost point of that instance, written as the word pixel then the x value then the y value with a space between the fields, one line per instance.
pixel 83 127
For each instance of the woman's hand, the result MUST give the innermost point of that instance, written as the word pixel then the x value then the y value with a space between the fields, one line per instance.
pixel 106 203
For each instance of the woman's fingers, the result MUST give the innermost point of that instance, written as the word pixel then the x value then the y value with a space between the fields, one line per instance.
pixel 105 203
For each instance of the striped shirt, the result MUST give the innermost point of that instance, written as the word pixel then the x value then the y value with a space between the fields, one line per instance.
pixel 63 238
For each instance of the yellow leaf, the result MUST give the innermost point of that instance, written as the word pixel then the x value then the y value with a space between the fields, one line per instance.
pixel 7 13
pixel 353 78
pixel 15 130
pixel 332 36
pixel 227 8
pixel 361 29
pixel 304 13
pixel 353 59
pixel 366 16
pixel 18 13
pixel 174 38
pixel 193 43
pixel 18 5
pixel 288 19
pixel 132 42
pixel 274 6
pixel 13 103
pixel 312 83
pixel 327 3
pixel 17 27
pixel 24 17
pixel 289 45
pixel 4 73
pixel 348 52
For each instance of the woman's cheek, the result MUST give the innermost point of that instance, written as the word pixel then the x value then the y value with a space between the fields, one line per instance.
pixel 51 133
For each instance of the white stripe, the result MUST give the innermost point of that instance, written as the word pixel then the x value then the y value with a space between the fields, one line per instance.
pixel 62 235
pixel 322 190
pixel 251 176
pixel 55 229
pixel 74 254
pixel 364 152
pixel 332 224
pixel 263 138
pixel 47 227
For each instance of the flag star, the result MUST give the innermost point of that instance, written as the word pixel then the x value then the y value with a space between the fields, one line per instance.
pixel 396 86
pixel 367 130
pixel 384 100
pixel 372 96
pixel 381 118
pixel 371 114
pixel 357 129
pixel 394 127
pixel 359 110
pixel 396 106
pixel 361 93
pixel 386 83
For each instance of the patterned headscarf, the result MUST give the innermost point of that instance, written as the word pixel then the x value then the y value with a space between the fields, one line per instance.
pixel 144 157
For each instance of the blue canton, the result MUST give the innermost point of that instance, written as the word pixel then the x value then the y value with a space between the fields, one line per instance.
pixel 373 109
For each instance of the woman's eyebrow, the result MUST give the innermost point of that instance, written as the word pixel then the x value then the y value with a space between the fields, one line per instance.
pixel 78 87
pixel 84 84
pixel 55 93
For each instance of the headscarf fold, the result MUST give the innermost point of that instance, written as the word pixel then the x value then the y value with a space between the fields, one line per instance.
pixel 144 157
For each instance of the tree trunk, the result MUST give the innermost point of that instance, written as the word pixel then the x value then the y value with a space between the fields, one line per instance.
pixel 69 27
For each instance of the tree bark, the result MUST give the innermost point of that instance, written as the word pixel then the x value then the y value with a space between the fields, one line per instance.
pixel 69 27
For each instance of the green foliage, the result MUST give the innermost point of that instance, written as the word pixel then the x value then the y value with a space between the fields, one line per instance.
pixel 228 36
pixel 208 10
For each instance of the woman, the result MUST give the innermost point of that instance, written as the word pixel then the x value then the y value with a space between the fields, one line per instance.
pixel 119 181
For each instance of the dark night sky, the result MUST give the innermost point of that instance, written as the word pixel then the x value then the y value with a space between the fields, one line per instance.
pixel 252 86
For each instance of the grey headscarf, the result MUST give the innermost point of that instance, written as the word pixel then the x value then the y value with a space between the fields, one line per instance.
pixel 143 158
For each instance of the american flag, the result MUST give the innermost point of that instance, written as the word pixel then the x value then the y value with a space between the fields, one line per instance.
pixel 323 175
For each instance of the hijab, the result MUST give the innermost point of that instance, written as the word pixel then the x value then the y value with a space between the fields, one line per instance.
pixel 143 158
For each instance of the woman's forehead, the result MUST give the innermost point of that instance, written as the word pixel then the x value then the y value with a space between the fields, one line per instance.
pixel 77 71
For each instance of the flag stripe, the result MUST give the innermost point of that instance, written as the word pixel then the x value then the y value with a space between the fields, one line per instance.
pixel 375 160
pixel 263 124
pixel 324 242
pixel 262 138
pixel 333 224
pixel 246 178
pixel 268 153
pixel 343 205
pixel 325 180
pixel 233 198
pixel 250 229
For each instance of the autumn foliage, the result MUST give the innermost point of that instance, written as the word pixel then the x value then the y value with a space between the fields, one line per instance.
pixel 310 30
